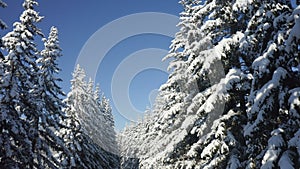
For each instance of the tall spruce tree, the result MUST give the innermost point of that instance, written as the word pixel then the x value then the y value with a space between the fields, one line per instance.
pixel 29 111
pixel 243 58
pixel 18 103
pixel 197 51
pixel 96 118
pixel 109 126
pixel 83 139
pixel 51 116
pixel 273 119
pixel 74 137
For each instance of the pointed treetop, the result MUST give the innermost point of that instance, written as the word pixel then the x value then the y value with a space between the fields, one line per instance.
pixel 48 63
pixel 53 37
pixel 51 44
pixel 29 4
pixel 78 78
pixel 30 16
pixel 78 70
pixel 97 93
pixel 90 86
pixel 2 4
pixel 105 104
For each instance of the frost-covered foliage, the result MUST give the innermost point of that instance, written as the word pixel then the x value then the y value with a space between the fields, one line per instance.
pixel 91 139
pixel 93 111
pixel 273 118
pixel 39 130
pixel 30 108
pixel 50 93
pixel 96 118
pixel 232 98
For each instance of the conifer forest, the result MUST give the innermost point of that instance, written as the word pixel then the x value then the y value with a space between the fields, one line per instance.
pixel 231 101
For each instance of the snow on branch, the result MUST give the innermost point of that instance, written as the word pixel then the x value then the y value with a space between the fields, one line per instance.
pixel 263 95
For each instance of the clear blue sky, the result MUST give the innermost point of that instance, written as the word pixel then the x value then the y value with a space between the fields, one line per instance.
pixel 78 20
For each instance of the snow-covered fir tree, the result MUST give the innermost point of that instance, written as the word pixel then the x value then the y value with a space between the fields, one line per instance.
pixel 95 114
pixel 28 137
pixel 186 89
pixel 129 146
pixel 133 140
pixel 232 99
pixel 109 125
pixel 50 93
pixel 88 137
pixel 18 133
pixel 273 106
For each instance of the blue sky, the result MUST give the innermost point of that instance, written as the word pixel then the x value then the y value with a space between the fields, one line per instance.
pixel 78 20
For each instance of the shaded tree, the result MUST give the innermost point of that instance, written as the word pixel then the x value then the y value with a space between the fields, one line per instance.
pixel 87 131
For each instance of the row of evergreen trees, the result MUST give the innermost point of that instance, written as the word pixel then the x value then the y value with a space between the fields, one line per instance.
pixel 38 128
pixel 233 97
pixel 231 101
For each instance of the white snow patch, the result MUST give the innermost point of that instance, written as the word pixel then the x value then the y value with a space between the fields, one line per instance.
pixel 269 158
pixel 241 4
pixel 262 95
pixel 294 101
pixel 295 31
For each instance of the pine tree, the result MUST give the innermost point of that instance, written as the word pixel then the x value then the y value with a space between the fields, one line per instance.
pixel 109 132
pixel 175 94
pixel 130 146
pixel 30 104
pixel 96 119
pixel 275 88
pixel 198 49
pixel 85 136
pixel 19 116
pixel 134 145
pixel 74 137
pixel 243 58
pixel 51 116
